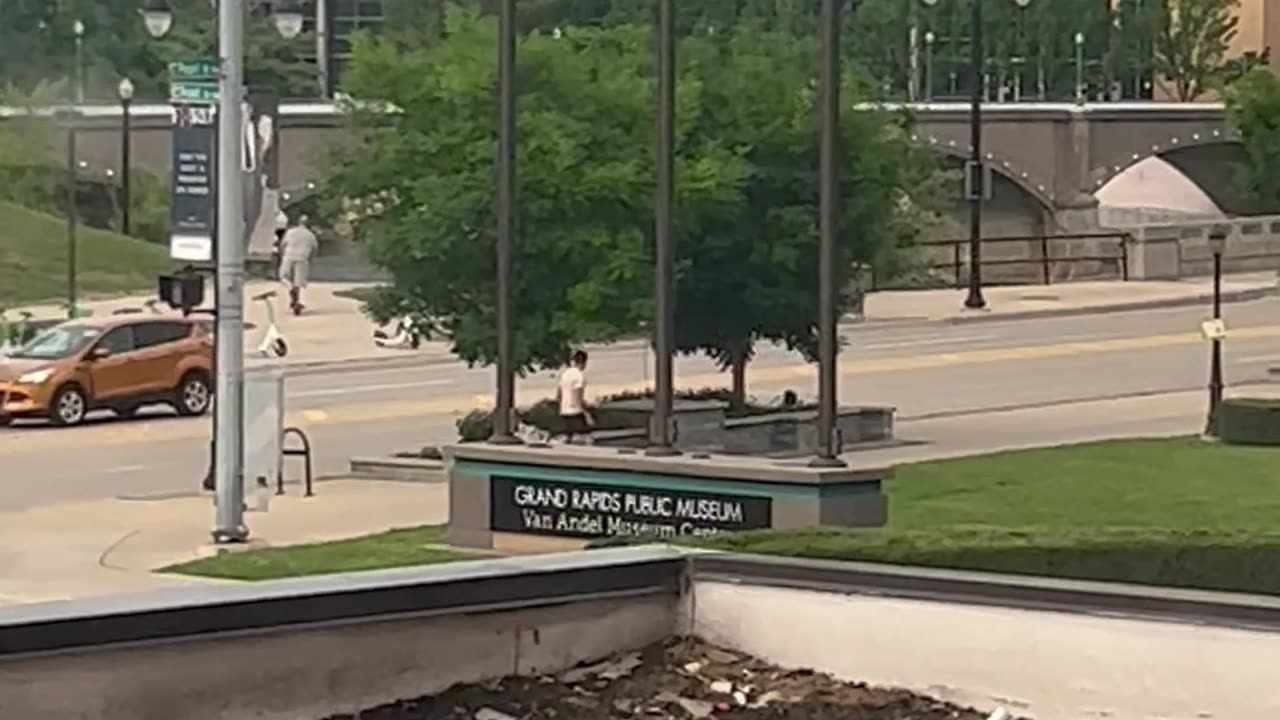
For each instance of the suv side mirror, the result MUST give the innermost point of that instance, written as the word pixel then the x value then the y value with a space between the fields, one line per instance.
pixel 99 353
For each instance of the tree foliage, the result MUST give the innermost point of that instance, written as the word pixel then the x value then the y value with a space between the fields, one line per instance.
pixel 420 191
pixel 37 45
pixel 1192 42
pixel 1253 105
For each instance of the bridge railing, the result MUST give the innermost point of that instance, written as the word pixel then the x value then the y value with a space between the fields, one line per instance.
pixel 1021 260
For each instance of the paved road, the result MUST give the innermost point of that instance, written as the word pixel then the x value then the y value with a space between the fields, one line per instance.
pixel 928 371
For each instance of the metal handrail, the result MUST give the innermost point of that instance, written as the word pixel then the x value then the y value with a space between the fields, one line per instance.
pixel 1046 261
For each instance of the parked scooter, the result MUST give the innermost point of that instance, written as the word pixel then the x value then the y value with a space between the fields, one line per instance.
pixel 273 344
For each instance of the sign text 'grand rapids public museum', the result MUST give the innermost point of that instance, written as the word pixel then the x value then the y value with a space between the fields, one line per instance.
pixel 591 511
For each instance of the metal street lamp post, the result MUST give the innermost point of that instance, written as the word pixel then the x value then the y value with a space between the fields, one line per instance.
pixel 974 173
pixel 664 250
pixel 913 51
pixel 73 164
pixel 503 418
pixel 828 231
pixel 228 439
pixel 126 145
pixel 1217 245
pixel 1080 89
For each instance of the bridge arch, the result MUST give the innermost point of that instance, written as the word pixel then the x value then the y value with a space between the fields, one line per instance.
pixel 1002 166
pixel 1207 158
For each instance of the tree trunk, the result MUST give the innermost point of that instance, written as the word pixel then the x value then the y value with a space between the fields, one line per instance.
pixel 738 366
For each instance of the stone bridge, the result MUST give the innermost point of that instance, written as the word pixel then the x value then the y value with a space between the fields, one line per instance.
pixel 1048 159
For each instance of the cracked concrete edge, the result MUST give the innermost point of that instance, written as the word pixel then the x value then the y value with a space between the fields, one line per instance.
pixel 322 367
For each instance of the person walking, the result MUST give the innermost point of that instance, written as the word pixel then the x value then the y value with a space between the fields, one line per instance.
pixel 282 225
pixel 571 395
pixel 297 247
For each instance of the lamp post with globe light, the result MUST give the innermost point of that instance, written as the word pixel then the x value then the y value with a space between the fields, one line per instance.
pixel 125 90
pixel 1217 246
pixel 228 441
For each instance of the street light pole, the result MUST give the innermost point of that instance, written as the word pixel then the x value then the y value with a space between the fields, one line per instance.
pixel 502 417
pixel 230 230
pixel 976 180
pixel 664 253
pixel 229 248
pixel 73 163
pixel 1217 244
pixel 126 146
pixel 829 231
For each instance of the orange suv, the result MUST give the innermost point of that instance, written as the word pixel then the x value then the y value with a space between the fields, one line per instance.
pixel 120 364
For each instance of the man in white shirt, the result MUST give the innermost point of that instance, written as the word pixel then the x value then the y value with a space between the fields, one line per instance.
pixel 572 397
pixel 296 249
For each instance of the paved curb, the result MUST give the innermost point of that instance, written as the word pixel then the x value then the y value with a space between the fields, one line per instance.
pixel 1233 296
pixel 322 367
pixel 393 468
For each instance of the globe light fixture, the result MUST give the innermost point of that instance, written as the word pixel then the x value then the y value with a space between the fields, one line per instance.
pixel 157 16
pixel 288 19
pixel 125 88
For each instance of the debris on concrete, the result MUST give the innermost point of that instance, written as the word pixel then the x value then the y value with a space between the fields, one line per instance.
pixel 683 679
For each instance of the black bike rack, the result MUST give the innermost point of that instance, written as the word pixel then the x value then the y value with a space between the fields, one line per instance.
pixel 304 452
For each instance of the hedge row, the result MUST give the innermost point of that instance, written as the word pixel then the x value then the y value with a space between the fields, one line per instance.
pixel 1228 560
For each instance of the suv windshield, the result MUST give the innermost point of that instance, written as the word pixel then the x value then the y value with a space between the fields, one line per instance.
pixel 58 342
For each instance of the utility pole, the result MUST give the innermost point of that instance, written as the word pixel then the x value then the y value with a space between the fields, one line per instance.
pixel 229 363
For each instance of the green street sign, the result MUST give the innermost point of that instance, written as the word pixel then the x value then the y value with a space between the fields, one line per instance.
pixel 193 92
pixel 198 69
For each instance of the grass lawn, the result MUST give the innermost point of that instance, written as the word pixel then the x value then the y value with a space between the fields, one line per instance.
pixel 396 548
pixel 33 259
pixel 1174 512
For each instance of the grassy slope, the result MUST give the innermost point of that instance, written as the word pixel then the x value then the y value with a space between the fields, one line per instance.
pixel 33 259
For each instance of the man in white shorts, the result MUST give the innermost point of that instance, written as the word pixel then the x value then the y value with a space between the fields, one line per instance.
pixel 296 249
pixel 572 397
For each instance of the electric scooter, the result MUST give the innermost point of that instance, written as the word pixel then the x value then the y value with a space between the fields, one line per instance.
pixel 273 344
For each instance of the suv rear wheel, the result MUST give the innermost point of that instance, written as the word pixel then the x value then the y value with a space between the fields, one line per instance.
pixel 69 406
pixel 193 394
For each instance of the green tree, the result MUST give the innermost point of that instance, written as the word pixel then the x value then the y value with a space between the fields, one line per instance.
pixel 419 193
pixel 749 268
pixel 423 188
pixel 1192 44
pixel 1253 106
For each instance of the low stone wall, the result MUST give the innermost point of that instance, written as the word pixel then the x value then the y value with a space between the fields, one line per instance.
pixel 797 432
pixel 702 425
pixel 1172 251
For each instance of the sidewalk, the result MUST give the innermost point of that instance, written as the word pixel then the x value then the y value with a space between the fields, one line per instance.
pixel 334 332
pixel 104 547
pixel 112 546
pixel 1077 298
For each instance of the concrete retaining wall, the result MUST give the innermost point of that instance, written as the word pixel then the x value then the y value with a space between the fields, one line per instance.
pixel 1045 665
pixel 310 674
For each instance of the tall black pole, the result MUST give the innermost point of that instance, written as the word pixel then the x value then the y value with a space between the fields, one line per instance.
pixel 126 146
pixel 1215 359
pixel 828 230
pixel 976 181
pixel 71 215
pixel 664 253
pixel 502 418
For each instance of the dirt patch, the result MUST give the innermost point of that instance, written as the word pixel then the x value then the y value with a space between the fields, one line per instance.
pixel 681 680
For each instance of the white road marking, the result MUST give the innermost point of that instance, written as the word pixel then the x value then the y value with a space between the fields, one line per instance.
pixel 954 340
pixel 358 389
pixel 123 469
pixel 1253 358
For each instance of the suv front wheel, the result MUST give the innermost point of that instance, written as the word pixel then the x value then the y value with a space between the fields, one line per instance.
pixel 193 395
pixel 69 406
